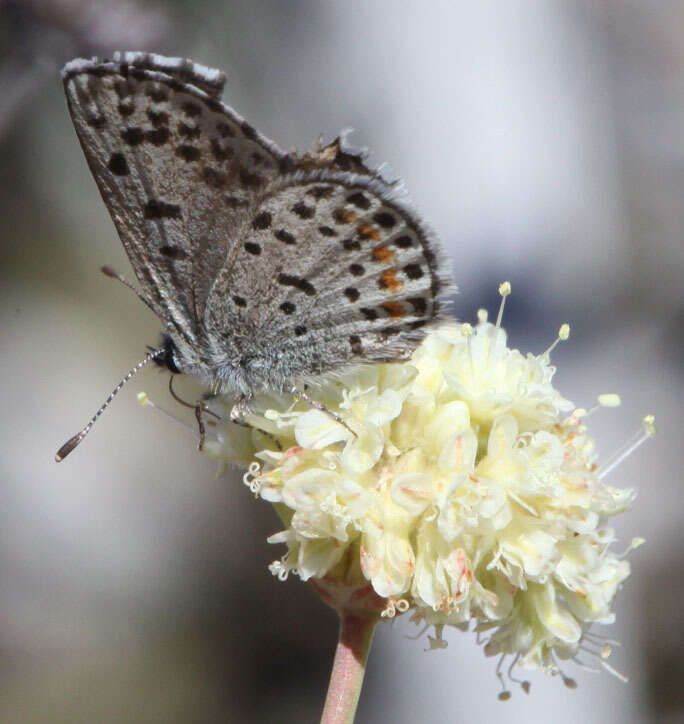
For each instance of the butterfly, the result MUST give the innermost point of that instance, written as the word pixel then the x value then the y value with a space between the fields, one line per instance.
pixel 264 267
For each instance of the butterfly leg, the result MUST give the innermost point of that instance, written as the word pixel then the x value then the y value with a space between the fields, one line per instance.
pixel 299 395
pixel 199 408
pixel 237 417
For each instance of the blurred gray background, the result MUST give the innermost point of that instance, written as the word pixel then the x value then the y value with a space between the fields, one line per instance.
pixel 542 140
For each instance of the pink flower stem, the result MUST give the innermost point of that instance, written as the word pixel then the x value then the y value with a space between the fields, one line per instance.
pixel 349 667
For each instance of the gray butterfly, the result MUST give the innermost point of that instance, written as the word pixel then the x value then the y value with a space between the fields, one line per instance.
pixel 265 267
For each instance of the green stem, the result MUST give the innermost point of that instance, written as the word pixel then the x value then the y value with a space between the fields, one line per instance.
pixel 349 667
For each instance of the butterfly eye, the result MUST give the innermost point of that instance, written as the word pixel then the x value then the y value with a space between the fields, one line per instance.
pixel 169 357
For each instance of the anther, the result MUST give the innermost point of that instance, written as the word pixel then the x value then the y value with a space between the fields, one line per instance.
pixel 504 291
pixel 647 431
pixel 563 334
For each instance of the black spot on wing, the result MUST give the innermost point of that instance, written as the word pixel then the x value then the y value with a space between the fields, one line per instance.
pixel 303 211
pixel 133 135
pixel 413 271
pixel 187 152
pixel 359 200
pixel 158 118
pixel 155 209
pixel 419 305
pixel 214 178
pixel 188 131
pixel 403 242
pixel 173 252
pixel 158 137
pixel 225 130
pixel 96 121
pixel 262 220
pixel 290 280
pixel 284 236
pixel 384 219
pixel 118 164
pixel 320 192
pixel 191 109
pixel 126 109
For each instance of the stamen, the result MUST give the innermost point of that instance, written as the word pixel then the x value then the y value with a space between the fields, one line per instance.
pixel 504 694
pixel 567 680
pixel 145 401
pixel 563 334
pixel 467 332
pixel 635 543
pixel 252 478
pixel 608 399
pixel 618 675
pixel 524 684
pixel 280 569
pixel 420 633
pixel 504 291
pixel 585 667
pixel 647 431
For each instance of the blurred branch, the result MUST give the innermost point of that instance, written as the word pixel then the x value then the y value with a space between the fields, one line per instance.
pixel 38 36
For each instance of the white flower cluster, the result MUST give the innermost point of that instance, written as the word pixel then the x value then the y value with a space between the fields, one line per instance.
pixel 468 492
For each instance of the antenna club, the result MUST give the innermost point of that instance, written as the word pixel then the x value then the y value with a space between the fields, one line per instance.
pixel 68 446
pixel 109 272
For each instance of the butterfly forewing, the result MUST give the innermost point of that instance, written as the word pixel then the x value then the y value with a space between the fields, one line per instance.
pixel 177 171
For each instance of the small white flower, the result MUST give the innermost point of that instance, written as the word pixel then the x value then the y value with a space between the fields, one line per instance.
pixel 464 493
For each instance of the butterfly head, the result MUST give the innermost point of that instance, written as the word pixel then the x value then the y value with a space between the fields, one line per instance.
pixel 169 358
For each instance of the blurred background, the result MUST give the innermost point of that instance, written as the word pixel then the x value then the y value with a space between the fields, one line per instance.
pixel 542 140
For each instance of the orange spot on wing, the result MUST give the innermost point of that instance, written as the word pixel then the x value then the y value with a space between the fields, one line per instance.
pixel 388 280
pixel 366 231
pixel 394 309
pixel 383 254
pixel 344 216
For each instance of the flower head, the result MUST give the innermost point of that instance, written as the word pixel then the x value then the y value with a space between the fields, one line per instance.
pixel 463 486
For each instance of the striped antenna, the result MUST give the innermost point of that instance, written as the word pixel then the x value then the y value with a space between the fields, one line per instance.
pixel 72 442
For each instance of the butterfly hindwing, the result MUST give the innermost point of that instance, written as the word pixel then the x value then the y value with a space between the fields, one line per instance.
pixel 330 269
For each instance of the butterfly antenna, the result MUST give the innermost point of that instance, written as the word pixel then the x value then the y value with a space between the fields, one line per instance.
pixel 113 274
pixel 72 442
